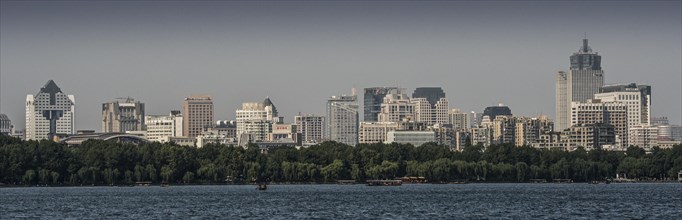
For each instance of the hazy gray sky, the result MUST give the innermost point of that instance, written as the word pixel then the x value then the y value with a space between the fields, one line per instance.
pixel 300 53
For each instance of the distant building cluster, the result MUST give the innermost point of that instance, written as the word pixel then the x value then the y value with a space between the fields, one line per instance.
pixel 589 114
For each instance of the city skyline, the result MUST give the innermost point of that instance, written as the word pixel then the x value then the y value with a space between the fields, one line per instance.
pixel 377 47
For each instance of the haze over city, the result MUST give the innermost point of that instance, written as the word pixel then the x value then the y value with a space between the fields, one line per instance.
pixel 300 53
pixel 403 109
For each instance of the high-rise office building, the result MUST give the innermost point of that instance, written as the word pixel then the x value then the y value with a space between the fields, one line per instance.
pixel 631 99
pixel 123 116
pixel 374 96
pixel 197 115
pixel 431 106
pixel 342 119
pixel 311 128
pixel 644 95
pixel 161 127
pixel 580 83
pixel 49 112
pixel 609 113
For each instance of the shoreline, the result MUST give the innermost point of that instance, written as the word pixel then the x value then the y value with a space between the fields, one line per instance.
pixel 359 183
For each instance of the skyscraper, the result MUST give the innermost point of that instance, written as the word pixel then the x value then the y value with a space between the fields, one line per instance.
pixel 123 116
pixel 374 96
pixel 198 114
pixel 342 119
pixel 431 106
pixel 579 84
pixel 49 112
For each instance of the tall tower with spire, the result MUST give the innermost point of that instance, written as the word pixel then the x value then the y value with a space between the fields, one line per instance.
pixel 580 83
pixel 585 59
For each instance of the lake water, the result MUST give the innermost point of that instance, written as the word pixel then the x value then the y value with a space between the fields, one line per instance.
pixel 493 201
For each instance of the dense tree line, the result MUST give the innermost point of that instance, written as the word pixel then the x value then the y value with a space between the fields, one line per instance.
pixel 110 163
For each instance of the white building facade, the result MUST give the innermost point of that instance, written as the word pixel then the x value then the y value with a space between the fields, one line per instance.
pixel 643 136
pixel 431 113
pixel 375 132
pixel 632 100
pixel 597 112
pixel 255 119
pixel 160 127
pixel 416 138
pixel 49 112
pixel 396 108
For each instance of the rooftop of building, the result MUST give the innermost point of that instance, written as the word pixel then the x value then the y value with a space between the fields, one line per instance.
pixel 50 87
pixel 198 98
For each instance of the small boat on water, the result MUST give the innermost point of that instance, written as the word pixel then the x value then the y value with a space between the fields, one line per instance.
pixel 143 183
pixel 346 182
pixel 384 182
pixel 262 186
